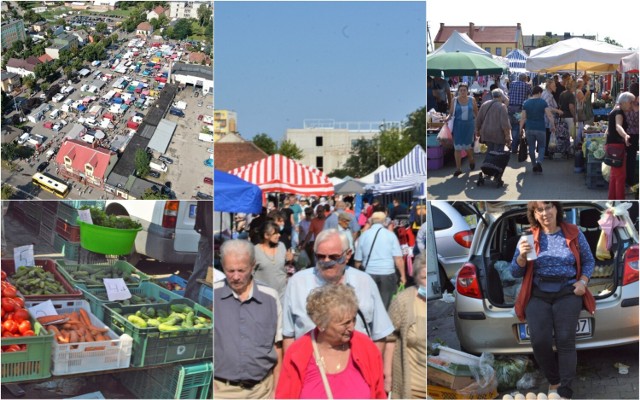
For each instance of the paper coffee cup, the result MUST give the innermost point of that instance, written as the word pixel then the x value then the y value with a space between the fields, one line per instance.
pixel 532 254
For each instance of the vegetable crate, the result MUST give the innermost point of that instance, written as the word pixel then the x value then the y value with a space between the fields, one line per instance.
pixel 205 296
pixel 70 250
pixel 8 266
pixel 180 381
pixel 75 358
pixel 32 363
pixel 439 392
pixel 70 271
pixel 152 347
pixel 67 231
pixel 172 280
pixel 149 294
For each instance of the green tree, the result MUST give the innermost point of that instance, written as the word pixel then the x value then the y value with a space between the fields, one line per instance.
pixel 363 158
pixel 546 41
pixel 163 20
pixel 5 102
pixel 393 146
pixel 155 23
pixel 17 46
pixel 151 195
pixel 607 39
pixel 7 192
pixel 114 38
pixel 9 151
pixel 29 81
pixel 101 27
pixel 290 150
pixel 142 162
pixel 416 127
pixel 204 13
pixel 182 29
pixel 265 142
pixel 68 71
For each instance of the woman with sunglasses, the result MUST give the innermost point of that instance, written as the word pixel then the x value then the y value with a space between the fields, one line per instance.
pixel 271 256
pixel 554 290
pixel 333 360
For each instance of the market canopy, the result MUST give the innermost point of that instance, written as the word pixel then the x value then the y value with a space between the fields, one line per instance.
pixel 459 63
pixel 517 60
pixel 576 54
pixel 371 178
pixel 410 173
pixel 349 187
pixel 277 173
pixel 629 63
pixel 462 43
pixel 233 194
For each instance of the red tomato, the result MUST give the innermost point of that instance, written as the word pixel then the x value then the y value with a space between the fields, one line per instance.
pixel 9 291
pixel 20 314
pixel 13 347
pixel 7 334
pixel 10 326
pixel 8 304
pixel 3 312
pixel 28 333
pixel 24 326
pixel 4 275
pixel 19 302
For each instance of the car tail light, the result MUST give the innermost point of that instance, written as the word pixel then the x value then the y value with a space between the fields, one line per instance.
pixel 630 273
pixel 170 214
pixel 467 282
pixel 464 238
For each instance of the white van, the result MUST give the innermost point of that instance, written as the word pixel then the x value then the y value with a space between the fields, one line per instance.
pixel 54 114
pixel 167 228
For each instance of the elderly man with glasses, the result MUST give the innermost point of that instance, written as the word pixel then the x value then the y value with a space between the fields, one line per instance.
pixel 332 253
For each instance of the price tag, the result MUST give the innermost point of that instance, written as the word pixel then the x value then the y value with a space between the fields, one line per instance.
pixel 116 289
pixel 23 256
pixel 85 216
pixel 43 309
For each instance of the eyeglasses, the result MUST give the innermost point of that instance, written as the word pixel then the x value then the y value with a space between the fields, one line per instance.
pixel 332 257
pixel 547 208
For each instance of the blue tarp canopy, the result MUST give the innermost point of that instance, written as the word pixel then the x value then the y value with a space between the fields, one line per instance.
pixel 81 107
pixel 236 195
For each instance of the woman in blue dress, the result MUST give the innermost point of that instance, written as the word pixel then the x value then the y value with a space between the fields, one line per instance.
pixel 463 110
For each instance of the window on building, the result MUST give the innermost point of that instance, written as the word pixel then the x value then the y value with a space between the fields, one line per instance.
pixel 498 51
pixel 487 49
pixel 319 141
pixel 509 50
pixel 319 163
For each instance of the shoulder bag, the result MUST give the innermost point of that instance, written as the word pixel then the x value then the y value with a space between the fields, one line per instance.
pixel 614 154
pixel 523 151
pixel 320 365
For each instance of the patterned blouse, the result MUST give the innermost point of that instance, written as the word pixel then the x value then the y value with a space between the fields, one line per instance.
pixel 555 258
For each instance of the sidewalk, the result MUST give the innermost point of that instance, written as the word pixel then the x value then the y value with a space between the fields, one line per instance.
pixel 558 181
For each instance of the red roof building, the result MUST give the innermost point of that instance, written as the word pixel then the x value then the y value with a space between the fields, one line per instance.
pixel 45 58
pixel 229 156
pixel 84 163
pixel 498 40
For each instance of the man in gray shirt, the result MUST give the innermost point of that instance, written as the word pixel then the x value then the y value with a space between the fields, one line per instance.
pixel 247 328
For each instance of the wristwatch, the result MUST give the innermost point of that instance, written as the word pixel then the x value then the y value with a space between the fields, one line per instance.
pixel 583 282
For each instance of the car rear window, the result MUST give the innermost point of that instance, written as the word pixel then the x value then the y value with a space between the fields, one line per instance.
pixel 440 219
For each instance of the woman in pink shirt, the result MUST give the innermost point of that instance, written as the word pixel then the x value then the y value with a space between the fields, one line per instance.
pixel 333 360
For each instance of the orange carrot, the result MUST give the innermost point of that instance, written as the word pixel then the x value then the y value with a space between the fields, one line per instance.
pixel 84 317
pixel 73 337
pixel 48 319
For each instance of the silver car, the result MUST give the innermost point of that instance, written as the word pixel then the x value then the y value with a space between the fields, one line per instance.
pixel 453 224
pixel 484 317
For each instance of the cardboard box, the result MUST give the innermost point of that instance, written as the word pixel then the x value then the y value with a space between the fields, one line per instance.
pixel 450 368
pixel 442 378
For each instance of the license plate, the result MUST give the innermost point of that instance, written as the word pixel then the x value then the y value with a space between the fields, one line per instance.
pixel 582 329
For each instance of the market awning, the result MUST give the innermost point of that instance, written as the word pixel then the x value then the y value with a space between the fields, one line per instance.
pixel 277 173
pixel 410 173
pixel 233 194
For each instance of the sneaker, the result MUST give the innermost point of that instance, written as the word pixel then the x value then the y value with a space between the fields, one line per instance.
pixel 457 173
pixel 539 168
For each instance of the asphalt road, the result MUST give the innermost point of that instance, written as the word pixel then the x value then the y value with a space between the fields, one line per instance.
pixel 597 378
pixel 558 181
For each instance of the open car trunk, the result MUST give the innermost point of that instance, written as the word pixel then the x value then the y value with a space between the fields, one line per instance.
pixel 501 288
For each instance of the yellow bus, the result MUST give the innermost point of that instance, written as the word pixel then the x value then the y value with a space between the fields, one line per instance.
pixel 51 184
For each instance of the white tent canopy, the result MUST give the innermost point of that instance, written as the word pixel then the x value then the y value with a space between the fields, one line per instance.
pixel 371 178
pixel 629 63
pixel 576 54
pixel 462 43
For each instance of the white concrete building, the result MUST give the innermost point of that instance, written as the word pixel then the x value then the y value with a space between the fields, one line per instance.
pixel 185 9
pixel 326 144
pixel 191 74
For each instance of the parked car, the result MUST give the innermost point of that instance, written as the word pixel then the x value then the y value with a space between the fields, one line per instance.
pixel 165 159
pixel 484 317
pixel 208 180
pixel 453 236
pixel 43 165
pixel 154 174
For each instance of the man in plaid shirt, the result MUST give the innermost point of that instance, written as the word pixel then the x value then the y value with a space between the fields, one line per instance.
pixel 518 92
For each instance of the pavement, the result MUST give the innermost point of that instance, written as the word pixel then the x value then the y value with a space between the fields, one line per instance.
pixel 558 181
pixel 596 377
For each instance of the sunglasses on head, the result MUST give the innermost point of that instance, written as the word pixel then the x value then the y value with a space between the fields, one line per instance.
pixel 332 257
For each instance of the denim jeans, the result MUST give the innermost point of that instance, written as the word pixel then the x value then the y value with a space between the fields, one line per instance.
pixel 204 259
pixel 515 137
pixel 549 314
pixel 536 140
pixel 387 286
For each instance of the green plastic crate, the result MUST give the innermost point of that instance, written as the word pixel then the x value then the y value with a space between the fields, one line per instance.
pixel 66 269
pixel 70 250
pixel 32 363
pixel 97 296
pixel 152 347
pixel 180 381
pixel 205 297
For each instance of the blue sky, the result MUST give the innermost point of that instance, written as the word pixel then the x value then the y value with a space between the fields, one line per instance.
pixel 278 63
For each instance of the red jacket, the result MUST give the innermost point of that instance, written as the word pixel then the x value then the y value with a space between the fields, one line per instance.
pixel 570 232
pixel 366 357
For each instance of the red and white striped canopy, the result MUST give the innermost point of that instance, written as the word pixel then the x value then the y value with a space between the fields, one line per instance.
pixel 277 173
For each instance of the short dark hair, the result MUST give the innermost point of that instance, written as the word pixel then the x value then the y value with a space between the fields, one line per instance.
pixel 531 209
pixel 537 90
pixel 493 86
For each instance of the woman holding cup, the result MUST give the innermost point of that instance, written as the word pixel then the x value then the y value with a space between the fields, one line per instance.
pixel 554 290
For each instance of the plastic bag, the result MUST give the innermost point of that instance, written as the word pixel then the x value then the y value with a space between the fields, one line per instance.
pixel 510 285
pixel 445 134
pixel 485 377
pixel 527 381
pixel 601 249
pixel 509 369
pixel 553 142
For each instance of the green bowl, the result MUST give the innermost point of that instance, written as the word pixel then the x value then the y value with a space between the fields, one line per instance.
pixel 103 240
